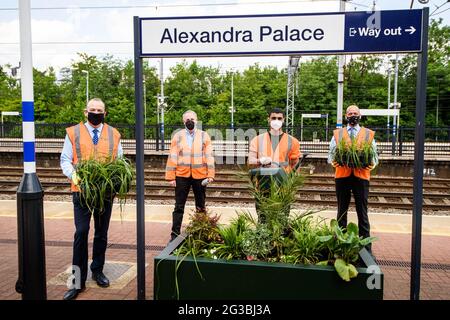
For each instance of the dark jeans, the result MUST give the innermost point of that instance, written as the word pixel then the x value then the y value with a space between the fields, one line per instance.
pixel 360 189
pixel 82 218
pixel 181 193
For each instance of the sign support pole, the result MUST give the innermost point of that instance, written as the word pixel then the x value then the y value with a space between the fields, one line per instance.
pixel 421 86
pixel 140 190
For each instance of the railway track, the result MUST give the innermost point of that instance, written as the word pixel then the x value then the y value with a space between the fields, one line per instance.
pixel 385 192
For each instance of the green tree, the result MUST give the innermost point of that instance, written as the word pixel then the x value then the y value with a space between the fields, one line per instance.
pixel 438 77
pixel 317 89
pixel 10 99
pixel 47 96
pixel 192 87
pixel 207 90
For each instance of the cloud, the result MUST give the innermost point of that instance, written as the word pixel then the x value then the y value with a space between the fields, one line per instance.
pixel 43 31
pixel 75 25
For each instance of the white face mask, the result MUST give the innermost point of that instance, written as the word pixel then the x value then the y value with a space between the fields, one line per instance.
pixel 276 124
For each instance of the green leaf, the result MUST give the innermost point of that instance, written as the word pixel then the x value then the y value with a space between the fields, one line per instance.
pixel 342 269
pixel 322 263
pixel 352 228
pixel 364 242
pixel 352 271
pixel 325 238
pixel 351 237
pixel 340 235
pixel 334 224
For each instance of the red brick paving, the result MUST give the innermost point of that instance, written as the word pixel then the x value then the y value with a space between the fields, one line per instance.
pixel 435 284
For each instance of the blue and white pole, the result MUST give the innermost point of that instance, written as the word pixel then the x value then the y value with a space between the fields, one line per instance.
pixel 30 206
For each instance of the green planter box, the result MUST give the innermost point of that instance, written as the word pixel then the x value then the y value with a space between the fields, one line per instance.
pixel 240 279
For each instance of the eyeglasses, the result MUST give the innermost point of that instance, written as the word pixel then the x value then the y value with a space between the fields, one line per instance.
pixel 276 118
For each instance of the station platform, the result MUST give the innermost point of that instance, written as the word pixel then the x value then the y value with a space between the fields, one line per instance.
pixel 392 250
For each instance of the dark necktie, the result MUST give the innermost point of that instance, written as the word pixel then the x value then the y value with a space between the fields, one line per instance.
pixel 95 137
pixel 352 133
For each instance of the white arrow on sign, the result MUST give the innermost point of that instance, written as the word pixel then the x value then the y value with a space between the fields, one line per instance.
pixel 411 30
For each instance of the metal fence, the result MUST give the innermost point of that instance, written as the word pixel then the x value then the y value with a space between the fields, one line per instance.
pixel 313 139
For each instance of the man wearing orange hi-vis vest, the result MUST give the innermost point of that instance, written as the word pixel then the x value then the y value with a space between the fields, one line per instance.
pixel 353 179
pixel 190 163
pixel 92 139
pixel 273 149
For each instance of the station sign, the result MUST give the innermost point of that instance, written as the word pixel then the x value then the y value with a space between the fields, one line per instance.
pixel 283 34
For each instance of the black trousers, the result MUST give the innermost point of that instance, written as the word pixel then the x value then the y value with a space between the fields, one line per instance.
pixel 82 217
pixel 182 189
pixel 360 189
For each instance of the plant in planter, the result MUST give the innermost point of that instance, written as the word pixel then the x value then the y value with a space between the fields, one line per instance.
pixel 340 154
pixel 353 151
pixel 300 249
pixel 343 248
pixel 354 155
pixel 100 181
pixel 367 154
pixel 276 201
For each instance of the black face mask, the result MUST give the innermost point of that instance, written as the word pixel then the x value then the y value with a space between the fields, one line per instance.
pixel 190 124
pixel 353 120
pixel 96 118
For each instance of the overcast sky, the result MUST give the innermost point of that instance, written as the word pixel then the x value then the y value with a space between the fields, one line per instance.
pixel 80 27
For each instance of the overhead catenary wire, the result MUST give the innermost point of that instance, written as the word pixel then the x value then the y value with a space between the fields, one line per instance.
pixel 438 7
pixel 437 13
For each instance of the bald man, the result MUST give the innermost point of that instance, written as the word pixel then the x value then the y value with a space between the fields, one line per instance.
pixel 90 139
pixel 353 180
pixel 190 163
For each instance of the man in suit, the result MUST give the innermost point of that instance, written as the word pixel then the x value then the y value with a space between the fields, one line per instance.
pixel 91 139
pixel 353 180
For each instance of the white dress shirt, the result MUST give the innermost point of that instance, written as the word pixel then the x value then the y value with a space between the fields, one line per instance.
pixel 356 130
pixel 67 151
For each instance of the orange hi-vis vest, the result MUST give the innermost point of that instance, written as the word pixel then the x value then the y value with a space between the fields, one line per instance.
pixel 185 161
pixel 84 149
pixel 288 149
pixel 364 134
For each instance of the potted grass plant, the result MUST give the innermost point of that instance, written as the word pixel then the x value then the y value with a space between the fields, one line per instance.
pixel 367 154
pixel 354 155
pixel 288 256
pixel 353 152
pixel 340 153
pixel 101 181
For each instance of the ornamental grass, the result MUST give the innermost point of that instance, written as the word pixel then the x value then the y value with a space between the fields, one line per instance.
pixel 101 181
pixel 282 236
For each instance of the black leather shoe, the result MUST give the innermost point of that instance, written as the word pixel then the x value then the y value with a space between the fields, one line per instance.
pixel 72 293
pixel 101 279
